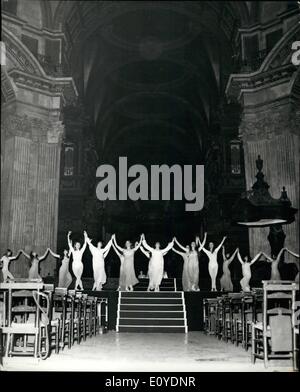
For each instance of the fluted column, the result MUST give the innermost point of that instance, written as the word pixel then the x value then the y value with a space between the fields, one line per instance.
pixel 274 135
pixel 30 186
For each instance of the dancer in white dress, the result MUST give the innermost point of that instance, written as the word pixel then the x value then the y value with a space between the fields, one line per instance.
pixel 246 270
pixel 35 261
pixel 122 286
pixel 99 255
pixel 275 274
pixel 186 283
pixel 156 263
pixel 64 275
pixel 294 262
pixel 130 278
pixel 225 281
pixel 212 255
pixel 148 255
pixel 6 259
pixel 77 254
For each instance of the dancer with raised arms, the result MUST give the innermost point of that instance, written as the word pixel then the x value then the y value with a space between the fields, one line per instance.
pixel 77 253
pixel 212 255
pixel 122 286
pixel 186 283
pixel 246 270
pixel 99 255
pixel 129 276
pixel 225 281
pixel 6 259
pixel 275 274
pixel 35 262
pixel 156 263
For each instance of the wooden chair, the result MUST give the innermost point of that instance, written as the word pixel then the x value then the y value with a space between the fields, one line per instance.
pixel 210 311
pixel 60 311
pixel 273 337
pixel 102 315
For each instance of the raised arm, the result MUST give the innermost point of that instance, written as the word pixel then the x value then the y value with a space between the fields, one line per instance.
pixel 180 246
pixel 54 254
pixel 233 256
pixel 292 253
pixel 107 247
pixel 70 242
pixel 25 254
pixel 116 245
pixel 240 258
pixel 16 256
pixel 115 249
pixel 221 244
pixel 167 248
pixel 137 245
pixel 255 258
pixel 145 245
pixel 179 253
pixel 202 243
pixel 44 255
pixel 223 253
pixel 147 254
pixel 269 259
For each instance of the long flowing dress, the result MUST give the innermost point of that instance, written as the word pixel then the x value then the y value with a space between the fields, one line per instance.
pixel 64 275
pixel 98 266
pixel 225 281
pixel 193 268
pixel 122 278
pixel 244 282
pixel 130 278
pixel 156 268
pixel 186 282
pixel 34 270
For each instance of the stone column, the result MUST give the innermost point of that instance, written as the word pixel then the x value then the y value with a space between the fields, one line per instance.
pixel 273 133
pixel 29 187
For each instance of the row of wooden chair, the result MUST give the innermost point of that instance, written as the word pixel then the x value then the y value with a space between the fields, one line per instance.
pixel 37 319
pixel 257 319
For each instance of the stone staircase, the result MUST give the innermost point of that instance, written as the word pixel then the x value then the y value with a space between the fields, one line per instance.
pixel 142 311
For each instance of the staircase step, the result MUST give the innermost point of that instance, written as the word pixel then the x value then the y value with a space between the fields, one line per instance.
pixel 146 301
pixel 150 294
pixel 151 322
pixel 143 329
pixel 171 288
pixel 149 314
pixel 151 307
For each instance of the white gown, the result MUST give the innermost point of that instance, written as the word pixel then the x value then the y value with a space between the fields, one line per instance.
pixel 129 278
pixel 98 265
pixel 193 268
pixel 156 268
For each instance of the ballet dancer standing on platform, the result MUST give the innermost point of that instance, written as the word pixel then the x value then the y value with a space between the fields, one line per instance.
pixel 275 274
pixel 6 259
pixel 77 254
pixel 246 270
pixel 99 255
pixel 35 261
pixel 129 278
pixel 186 283
pixel 225 281
pixel 212 255
pixel 122 286
pixel 294 262
pixel 156 263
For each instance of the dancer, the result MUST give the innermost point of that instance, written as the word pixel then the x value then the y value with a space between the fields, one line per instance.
pixel 186 283
pixel 35 261
pixel 99 255
pixel 246 270
pixel 275 274
pixel 156 263
pixel 225 281
pixel 64 275
pixel 295 262
pixel 122 272
pixel 6 259
pixel 77 254
pixel 130 278
pixel 212 255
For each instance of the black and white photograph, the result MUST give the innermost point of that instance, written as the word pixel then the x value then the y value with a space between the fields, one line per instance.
pixel 149 189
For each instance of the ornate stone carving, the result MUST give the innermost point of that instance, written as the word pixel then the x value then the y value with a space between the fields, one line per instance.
pixel 36 129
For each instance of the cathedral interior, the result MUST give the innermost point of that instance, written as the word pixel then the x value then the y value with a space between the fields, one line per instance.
pixel 160 82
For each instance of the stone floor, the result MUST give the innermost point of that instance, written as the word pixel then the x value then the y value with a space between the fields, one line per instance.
pixel 148 352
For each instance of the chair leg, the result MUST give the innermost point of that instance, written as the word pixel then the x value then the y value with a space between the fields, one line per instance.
pixel 252 345
pixel 265 343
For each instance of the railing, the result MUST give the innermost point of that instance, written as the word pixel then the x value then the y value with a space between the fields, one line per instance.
pixel 50 67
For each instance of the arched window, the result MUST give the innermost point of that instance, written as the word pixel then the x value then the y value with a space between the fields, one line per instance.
pixel 69 160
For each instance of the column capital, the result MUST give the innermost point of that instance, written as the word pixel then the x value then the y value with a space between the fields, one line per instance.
pixel 33 128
